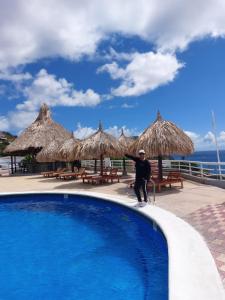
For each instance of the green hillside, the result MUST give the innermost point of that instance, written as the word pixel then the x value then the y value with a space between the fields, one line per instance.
pixel 5 139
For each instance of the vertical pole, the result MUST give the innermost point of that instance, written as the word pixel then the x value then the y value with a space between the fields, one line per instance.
pixel 15 163
pixel 202 174
pixel 189 165
pixel 11 159
pixel 216 143
pixel 124 167
pixel 101 162
pixel 95 167
pixel 160 167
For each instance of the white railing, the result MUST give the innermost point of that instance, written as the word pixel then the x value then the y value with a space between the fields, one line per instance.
pixel 90 164
pixel 196 169
pixel 199 169
pixel 206 170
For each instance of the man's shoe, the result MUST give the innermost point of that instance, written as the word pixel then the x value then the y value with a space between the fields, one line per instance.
pixel 139 204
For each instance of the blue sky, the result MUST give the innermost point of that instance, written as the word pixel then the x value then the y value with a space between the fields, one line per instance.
pixel 92 62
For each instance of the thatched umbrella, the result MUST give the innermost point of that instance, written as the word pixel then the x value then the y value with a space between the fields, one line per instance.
pixel 163 138
pixel 38 135
pixel 50 152
pixel 68 151
pixel 99 145
pixel 125 143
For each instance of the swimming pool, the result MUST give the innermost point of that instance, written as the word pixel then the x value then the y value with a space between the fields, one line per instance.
pixel 56 246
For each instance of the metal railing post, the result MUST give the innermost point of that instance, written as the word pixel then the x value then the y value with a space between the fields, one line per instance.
pixel 201 170
pixel 153 183
pixel 189 165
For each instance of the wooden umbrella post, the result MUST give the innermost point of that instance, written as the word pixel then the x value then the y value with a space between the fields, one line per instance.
pixel 124 167
pixel 101 162
pixel 12 170
pixel 160 167
pixel 15 164
pixel 95 167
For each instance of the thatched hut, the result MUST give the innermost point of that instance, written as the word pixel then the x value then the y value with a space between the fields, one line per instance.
pixel 68 151
pixel 125 143
pixel 163 138
pixel 49 153
pixel 98 145
pixel 38 135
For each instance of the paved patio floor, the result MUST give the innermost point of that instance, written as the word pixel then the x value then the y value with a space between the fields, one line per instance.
pixel 200 205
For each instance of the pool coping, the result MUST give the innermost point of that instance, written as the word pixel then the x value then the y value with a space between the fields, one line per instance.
pixel 192 270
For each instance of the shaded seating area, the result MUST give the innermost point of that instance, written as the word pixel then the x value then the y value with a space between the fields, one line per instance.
pixel 112 175
pixel 72 175
pixel 172 178
pixel 56 174
pixel 108 175
pixel 41 134
pixel 49 173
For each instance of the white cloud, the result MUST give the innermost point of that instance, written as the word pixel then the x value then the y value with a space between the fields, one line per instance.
pixel 144 73
pixel 55 92
pixel 4 123
pixel 21 119
pixel 207 141
pixel 222 137
pixel 8 75
pixel 116 131
pixel 125 105
pixel 83 132
pixel 114 55
pixel 194 136
pixel 209 137
pixel 17 120
pixel 44 87
pixel 70 29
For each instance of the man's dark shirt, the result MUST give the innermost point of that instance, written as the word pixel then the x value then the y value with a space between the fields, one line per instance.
pixel 143 167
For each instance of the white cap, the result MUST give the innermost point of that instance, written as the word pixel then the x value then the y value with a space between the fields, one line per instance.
pixel 141 151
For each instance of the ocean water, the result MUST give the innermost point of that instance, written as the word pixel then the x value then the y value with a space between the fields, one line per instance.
pixel 204 156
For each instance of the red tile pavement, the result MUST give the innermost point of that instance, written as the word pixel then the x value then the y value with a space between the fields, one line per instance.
pixel 210 222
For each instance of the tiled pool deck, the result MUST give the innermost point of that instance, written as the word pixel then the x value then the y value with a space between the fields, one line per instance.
pixel 200 205
pixel 210 222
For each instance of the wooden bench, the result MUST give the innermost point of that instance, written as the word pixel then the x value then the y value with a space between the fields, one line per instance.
pixel 113 175
pixel 72 175
pixel 172 178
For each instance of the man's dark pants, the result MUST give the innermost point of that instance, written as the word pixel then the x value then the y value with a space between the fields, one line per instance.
pixel 141 184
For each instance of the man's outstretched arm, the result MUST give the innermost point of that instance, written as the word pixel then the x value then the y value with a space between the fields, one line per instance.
pixel 134 158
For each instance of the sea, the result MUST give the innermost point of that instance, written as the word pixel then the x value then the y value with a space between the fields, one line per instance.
pixel 204 156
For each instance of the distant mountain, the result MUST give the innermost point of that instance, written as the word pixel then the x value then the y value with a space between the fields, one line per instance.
pixel 5 139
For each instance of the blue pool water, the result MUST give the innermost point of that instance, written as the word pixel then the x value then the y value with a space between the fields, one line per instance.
pixel 76 247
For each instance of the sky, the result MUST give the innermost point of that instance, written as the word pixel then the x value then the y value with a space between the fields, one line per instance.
pixel 116 61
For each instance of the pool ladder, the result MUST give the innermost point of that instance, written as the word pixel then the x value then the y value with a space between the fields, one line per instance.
pixel 153 184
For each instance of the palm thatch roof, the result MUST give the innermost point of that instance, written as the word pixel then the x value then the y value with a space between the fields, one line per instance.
pixel 49 153
pixel 163 138
pixel 38 135
pixel 99 144
pixel 68 151
pixel 125 141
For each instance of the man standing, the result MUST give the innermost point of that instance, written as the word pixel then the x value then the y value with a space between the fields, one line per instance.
pixel 143 173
